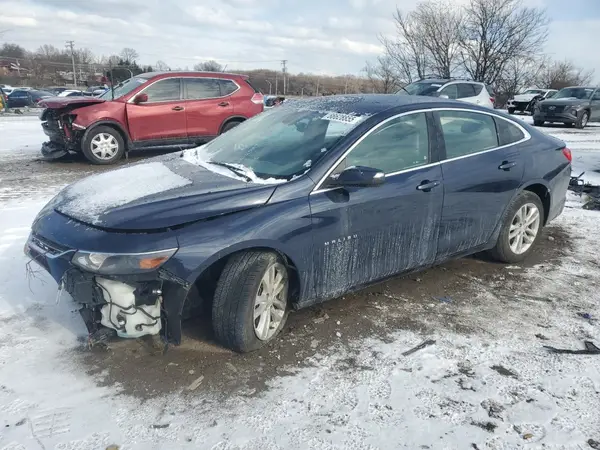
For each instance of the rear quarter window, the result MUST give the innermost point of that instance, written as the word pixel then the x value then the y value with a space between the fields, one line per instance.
pixel 508 133
pixel 478 88
pixel 228 87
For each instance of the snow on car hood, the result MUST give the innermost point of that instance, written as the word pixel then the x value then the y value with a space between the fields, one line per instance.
pixel 62 102
pixel 524 97
pixel 156 195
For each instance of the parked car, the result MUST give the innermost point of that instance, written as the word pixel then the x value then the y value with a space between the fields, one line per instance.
pixel 55 90
pixel 72 93
pixel 169 109
pixel 7 89
pixel 526 101
pixel 570 106
pixel 303 203
pixel 20 98
pixel 464 90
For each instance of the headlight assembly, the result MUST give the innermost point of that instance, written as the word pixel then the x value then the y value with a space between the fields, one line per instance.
pixel 121 264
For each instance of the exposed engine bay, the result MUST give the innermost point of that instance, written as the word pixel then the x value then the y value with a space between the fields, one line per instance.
pixel 64 136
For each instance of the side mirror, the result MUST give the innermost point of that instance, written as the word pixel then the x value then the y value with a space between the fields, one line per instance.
pixel 357 176
pixel 140 98
pixel 444 96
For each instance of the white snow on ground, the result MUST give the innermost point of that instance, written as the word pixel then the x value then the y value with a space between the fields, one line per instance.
pixel 361 395
pixel 20 135
pixel 89 198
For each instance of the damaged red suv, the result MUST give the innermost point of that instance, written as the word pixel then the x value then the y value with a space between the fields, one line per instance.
pixel 168 109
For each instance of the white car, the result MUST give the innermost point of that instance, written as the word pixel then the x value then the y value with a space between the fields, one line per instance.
pixel 71 93
pixel 525 102
pixel 464 90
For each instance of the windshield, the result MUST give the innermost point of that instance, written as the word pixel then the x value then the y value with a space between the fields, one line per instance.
pixel 420 88
pixel 575 92
pixel 533 91
pixel 124 87
pixel 276 145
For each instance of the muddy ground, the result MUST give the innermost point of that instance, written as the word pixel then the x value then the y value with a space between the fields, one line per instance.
pixel 440 297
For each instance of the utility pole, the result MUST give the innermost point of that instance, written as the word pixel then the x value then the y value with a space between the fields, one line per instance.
pixel 284 70
pixel 70 45
pixel 276 83
pixel 270 86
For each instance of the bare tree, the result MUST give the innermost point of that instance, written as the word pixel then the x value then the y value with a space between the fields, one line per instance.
pixel 439 25
pixel 407 53
pixel 497 32
pixel 161 66
pixel 209 66
pixel 560 74
pixel 84 56
pixel 129 55
pixel 382 76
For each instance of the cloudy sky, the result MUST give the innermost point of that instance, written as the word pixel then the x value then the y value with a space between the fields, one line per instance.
pixel 319 36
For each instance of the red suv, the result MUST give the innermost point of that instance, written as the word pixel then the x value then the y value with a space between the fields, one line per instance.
pixel 170 109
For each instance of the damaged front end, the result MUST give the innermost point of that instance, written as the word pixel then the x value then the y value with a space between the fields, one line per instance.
pixel 147 300
pixel 65 136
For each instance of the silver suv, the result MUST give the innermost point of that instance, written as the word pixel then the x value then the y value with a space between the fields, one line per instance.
pixel 464 90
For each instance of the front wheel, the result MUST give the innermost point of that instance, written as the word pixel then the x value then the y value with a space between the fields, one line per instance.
pixel 103 145
pixel 511 110
pixel 582 120
pixel 538 123
pixel 250 305
pixel 521 228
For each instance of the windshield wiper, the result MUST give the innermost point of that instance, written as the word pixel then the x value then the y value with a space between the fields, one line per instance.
pixel 236 170
pixel 404 89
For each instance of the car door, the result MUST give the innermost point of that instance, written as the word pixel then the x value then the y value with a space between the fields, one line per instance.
pixel 206 106
pixel 595 106
pixel 18 99
pixel 482 169
pixel 160 119
pixel 362 234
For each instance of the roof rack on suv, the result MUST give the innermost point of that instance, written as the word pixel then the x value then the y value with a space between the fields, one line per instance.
pixel 437 77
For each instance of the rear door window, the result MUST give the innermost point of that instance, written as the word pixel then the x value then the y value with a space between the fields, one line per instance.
pixel 451 91
pixel 466 90
pixel 165 90
pixel 201 88
pixel 466 133
pixel 508 133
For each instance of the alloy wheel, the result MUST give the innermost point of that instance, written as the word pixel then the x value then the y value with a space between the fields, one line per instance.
pixel 524 228
pixel 271 302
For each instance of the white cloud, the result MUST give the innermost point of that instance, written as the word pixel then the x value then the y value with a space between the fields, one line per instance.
pixel 337 36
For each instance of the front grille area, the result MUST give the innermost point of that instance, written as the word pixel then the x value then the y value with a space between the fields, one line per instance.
pixel 47 246
pixel 551 109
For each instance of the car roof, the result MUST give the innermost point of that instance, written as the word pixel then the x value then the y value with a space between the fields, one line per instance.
pixel 173 73
pixel 580 87
pixel 370 104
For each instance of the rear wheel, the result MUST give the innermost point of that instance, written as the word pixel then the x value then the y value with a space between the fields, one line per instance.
pixel 511 110
pixel 103 145
pixel 521 228
pixel 228 126
pixel 250 305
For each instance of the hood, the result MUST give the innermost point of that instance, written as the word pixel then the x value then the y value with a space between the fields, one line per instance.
pixel 158 194
pixel 525 97
pixel 63 102
pixel 572 101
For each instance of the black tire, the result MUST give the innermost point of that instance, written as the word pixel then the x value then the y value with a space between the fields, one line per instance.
pixel 538 123
pixel 511 110
pixel 234 300
pixel 582 119
pixel 229 125
pixel 502 251
pixel 86 145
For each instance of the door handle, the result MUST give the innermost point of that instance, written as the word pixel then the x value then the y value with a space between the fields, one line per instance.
pixel 427 186
pixel 224 104
pixel 507 165
pixel 178 108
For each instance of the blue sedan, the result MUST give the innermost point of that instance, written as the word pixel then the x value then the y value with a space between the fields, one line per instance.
pixel 298 205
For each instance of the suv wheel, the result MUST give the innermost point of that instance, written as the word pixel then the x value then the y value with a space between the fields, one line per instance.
pixel 228 126
pixel 511 110
pixel 521 228
pixel 250 304
pixel 103 145
pixel 582 120
pixel 538 123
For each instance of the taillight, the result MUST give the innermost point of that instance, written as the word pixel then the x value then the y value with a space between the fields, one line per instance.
pixel 493 100
pixel 567 154
pixel 258 98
